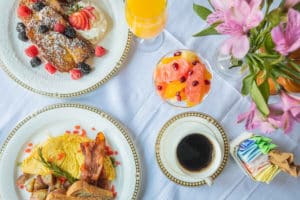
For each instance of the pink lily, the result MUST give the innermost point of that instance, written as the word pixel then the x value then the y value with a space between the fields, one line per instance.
pixel 290 112
pixel 291 3
pixel 287 39
pixel 237 17
pixel 254 120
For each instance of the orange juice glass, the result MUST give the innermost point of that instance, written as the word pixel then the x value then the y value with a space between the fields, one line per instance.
pixel 146 19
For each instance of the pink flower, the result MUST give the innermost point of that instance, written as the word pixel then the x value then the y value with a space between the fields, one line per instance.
pixel 291 3
pixel 254 120
pixel 288 111
pixel 237 17
pixel 287 39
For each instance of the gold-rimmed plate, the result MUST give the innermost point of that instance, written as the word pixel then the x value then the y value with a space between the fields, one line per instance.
pixel 54 120
pixel 60 85
pixel 164 152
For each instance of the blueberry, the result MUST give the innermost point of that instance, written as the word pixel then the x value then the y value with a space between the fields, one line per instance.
pixel 43 29
pixel 36 61
pixel 84 68
pixel 38 6
pixel 20 27
pixel 70 32
pixel 22 36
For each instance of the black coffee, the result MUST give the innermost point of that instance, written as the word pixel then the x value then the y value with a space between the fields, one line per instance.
pixel 194 152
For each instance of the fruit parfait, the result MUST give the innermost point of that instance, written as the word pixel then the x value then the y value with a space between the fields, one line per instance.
pixel 182 79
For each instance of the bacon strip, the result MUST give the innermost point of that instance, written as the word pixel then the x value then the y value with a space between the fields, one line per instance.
pixel 93 159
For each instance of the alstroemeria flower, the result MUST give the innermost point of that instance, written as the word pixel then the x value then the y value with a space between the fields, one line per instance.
pixel 290 112
pixel 290 3
pixel 237 17
pixel 287 39
pixel 255 120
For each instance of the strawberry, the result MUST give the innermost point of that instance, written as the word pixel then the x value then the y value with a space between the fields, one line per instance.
pixel 32 51
pixel 50 68
pixel 60 28
pixel 81 20
pixel 23 11
pixel 75 74
pixel 100 51
pixel 34 1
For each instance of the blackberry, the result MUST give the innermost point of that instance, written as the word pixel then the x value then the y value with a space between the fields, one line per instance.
pixel 70 32
pixel 38 6
pixel 20 27
pixel 22 36
pixel 36 61
pixel 43 29
pixel 84 68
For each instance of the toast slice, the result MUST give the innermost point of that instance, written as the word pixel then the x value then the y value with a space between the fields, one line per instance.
pixel 57 196
pixel 63 52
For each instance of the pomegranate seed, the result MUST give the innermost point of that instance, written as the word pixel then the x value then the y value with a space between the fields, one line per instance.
pixel 177 53
pixel 159 87
pixel 207 82
pixel 175 66
pixel 178 98
pixel 195 83
pixel 177 93
pixel 195 62
pixel 182 79
pixel 190 73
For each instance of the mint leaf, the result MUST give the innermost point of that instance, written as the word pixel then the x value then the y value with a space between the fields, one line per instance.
pixel 201 11
pixel 259 99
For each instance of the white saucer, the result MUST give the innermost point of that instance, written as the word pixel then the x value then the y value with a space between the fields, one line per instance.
pixel 173 131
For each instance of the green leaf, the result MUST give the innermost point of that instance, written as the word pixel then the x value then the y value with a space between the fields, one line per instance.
pixel 208 31
pixel 295 65
pixel 247 83
pixel 269 44
pixel 201 11
pixel 259 99
pixel 297 7
pixel 274 17
pixel 265 89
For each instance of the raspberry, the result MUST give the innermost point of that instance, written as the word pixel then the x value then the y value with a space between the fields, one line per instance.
pixel 24 11
pixel 75 74
pixel 50 68
pixel 58 27
pixel 32 51
pixel 100 51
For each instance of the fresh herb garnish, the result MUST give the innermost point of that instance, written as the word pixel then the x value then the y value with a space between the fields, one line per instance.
pixel 55 169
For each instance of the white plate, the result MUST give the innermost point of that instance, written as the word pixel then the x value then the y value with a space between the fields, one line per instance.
pixel 170 135
pixel 54 120
pixel 17 66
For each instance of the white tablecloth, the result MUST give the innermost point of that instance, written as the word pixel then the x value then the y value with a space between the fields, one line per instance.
pixel 130 97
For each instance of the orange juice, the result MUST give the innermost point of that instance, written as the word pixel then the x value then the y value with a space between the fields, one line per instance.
pixel 146 18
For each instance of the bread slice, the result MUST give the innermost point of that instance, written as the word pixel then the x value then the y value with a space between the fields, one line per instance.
pixel 57 196
pixel 83 189
pixel 63 52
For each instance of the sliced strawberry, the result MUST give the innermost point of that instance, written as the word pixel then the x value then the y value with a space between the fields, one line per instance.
pixel 73 20
pixel 89 13
pixel 50 68
pixel 32 51
pixel 24 12
pixel 100 51
pixel 86 21
pixel 75 74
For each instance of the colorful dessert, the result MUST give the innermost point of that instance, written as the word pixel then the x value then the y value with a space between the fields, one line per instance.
pixel 253 153
pixel 69 166
pixel 64 34
pixel 182 79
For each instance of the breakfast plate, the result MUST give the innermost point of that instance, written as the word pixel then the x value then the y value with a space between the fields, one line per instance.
pixel 53 121
pixel 179 127
pixel 36 79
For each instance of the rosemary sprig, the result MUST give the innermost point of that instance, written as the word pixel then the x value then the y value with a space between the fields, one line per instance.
pixel 56 170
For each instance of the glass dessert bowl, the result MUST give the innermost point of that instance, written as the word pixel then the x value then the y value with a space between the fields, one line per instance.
pixel 182 78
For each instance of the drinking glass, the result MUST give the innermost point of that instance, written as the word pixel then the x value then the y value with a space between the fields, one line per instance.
pixel 146 20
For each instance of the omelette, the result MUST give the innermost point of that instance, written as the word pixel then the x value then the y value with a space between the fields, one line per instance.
pixel 65 152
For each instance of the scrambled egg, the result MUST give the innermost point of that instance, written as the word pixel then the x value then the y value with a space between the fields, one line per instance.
pixel 63 150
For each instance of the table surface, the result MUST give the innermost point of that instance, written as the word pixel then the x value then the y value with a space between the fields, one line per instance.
pixel 144 113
